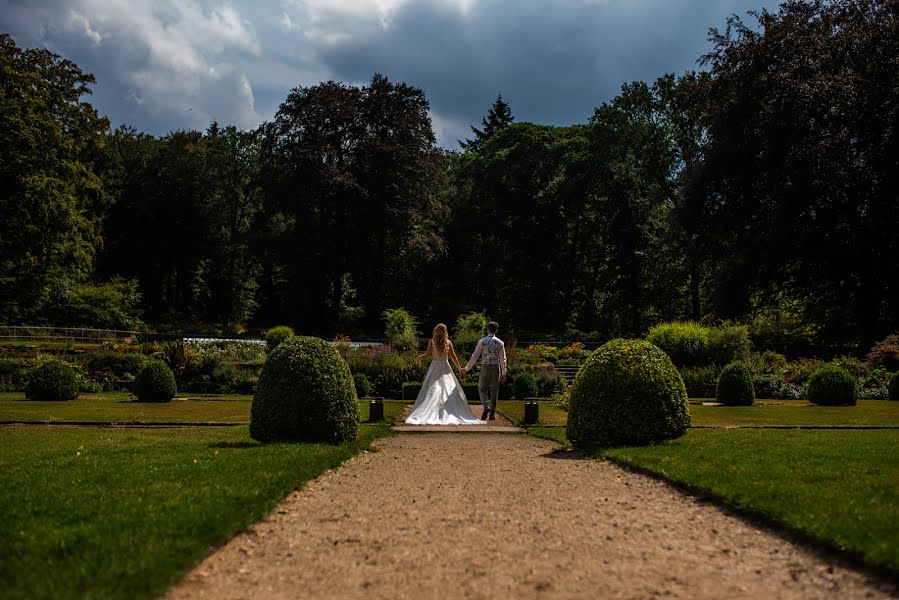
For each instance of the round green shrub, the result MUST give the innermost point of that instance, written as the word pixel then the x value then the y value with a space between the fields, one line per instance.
pixel 894 387
pixel 305 394
pixel 686 343
pixel 525 386
pixel 627 393
pixel 735 385
pixel 53 381
pixel 276 335
pixel 155 382
pixel 363 385
pixel 832 385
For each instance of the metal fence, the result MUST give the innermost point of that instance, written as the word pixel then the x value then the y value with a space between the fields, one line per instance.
pixel 75 334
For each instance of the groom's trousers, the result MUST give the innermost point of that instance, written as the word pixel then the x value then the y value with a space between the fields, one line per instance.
pixel 488 386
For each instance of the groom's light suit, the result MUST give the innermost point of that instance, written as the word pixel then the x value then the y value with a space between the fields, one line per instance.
pixel 492 352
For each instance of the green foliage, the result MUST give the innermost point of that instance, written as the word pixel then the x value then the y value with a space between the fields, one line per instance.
pixel 832 385
pixel 700 382
pixel 52 380
pixel 48 189
pixel 276 335
pixel 498 117
pixel 305 394
pixel 781 330
pixel 411 389
pixel 400 328
pixel 771 362
pixel 886 353
pixel 362 384
pixel 687 343
pixel 386 370
pixel 470 327
pixel 628 392
pixel 549 382
pixel 525 386
pixel 111 305
pixel 155 382
pixel 471 391
pixel 799 371
pixel 728 343
pixel 894 386
pixel 735 385
pixel 117 364
pixel 855 366
pixel 794 164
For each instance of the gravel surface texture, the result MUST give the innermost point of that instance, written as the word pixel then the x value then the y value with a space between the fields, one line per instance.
pixel 455 515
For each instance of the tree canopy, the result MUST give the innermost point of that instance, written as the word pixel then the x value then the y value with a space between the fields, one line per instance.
pixel 762 189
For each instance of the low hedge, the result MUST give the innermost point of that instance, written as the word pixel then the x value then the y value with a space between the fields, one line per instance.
pixel 117 363
pixel 894 387
pixel 627 393
pixel 276 335
pixel 832 385
pixel 735 385
pixel 525 386
pixel 155 382
pixel 686 343
pixel 305 394
pixel 363 385
pixel 54 380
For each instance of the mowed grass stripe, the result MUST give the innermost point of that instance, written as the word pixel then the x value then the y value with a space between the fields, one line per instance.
pixel 838 487
pixel 123 513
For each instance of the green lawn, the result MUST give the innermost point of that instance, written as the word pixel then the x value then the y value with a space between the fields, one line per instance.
pixel 867 412
pixel 120 407
pixel 839 487
pixel 122 513
pixel 549 413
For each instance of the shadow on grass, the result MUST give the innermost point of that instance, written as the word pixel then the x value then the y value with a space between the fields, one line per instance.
pixel 236 445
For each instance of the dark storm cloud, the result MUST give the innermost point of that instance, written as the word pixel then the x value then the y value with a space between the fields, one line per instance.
pixel 164 65
pixel 553 61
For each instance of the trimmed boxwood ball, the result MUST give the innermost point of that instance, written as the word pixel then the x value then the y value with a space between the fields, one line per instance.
pixel 155 382
pixel 363 385
pixel 305 394
pixel 525 386
pixel 735 385
pixel 832 385
pixel 52 381
pixel 276 335
pixel 894 387
pixel 627 393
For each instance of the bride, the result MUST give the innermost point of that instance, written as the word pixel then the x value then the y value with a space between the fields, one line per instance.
pixel 441 400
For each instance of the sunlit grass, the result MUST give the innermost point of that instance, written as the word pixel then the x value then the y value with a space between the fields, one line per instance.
pixel 121 513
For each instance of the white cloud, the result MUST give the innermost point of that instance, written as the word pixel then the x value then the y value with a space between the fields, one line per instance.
pixel 82 24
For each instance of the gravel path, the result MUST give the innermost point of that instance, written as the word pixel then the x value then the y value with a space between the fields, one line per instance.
pixel 456 515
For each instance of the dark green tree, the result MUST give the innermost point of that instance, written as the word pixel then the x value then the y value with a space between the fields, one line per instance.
pixel 498 117
pixel 351 180
pixel 799 172
pixel 49 192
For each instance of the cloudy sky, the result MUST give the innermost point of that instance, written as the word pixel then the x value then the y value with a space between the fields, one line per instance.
pixel 163 65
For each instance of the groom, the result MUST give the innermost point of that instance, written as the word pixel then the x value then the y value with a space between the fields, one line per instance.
pixel 492 352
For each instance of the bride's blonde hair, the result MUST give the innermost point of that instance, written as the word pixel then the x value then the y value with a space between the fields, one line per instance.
pixel 441 338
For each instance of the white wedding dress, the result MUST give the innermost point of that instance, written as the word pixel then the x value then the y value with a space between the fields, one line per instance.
pixel 441 400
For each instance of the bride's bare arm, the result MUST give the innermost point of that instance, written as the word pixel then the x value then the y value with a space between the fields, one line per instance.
pixel 427 352
pixel 452 353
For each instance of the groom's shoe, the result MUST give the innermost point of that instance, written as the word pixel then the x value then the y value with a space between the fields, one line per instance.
pixel 492 417
pixel 484 414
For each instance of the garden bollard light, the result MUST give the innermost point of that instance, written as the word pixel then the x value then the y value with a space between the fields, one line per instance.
pixel 376 410
pixel 531 411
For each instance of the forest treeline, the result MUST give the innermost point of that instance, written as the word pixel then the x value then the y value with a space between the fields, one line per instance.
pixel 762 188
